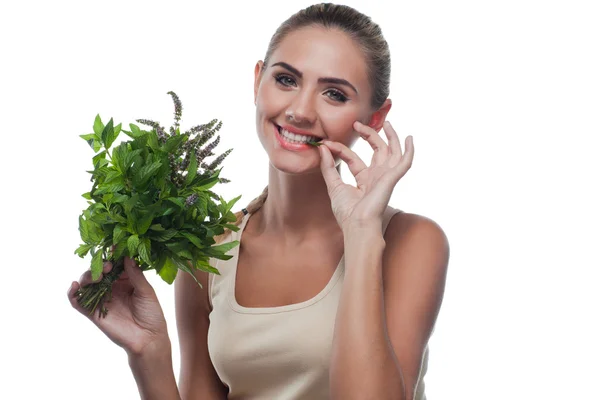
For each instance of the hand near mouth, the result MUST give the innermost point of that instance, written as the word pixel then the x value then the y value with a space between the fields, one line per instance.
pixel 365 203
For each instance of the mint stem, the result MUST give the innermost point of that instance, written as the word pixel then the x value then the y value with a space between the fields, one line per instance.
pixel 94 294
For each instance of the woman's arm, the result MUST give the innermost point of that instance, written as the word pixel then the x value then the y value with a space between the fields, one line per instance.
pixel 153 373
pixel 197 378
pixel 390 299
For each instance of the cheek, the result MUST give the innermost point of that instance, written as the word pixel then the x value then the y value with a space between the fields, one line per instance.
pixel 338 125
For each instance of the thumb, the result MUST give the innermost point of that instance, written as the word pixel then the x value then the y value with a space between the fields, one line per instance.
pixel 136 277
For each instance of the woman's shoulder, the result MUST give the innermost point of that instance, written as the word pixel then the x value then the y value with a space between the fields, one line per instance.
pixel 402 222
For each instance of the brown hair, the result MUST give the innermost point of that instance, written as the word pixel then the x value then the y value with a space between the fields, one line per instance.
pixel 366 33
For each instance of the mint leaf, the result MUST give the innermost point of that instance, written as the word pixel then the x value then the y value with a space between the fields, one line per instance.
pixel 173 142
pixel 168 271
pixel 135 131
pixel 97 265
pixel 118 234
pixel 193 239
pixel 133 243
pixel 98 126
pixel 96 145
pixel 192 169
pixel 83 249
pixel 144 250
pixel 83 230
pixel 108 134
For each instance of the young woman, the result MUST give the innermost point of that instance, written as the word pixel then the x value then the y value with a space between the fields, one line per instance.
pixel 331 293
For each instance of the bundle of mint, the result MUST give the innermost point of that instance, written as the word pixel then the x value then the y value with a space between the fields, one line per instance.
pixel 149 200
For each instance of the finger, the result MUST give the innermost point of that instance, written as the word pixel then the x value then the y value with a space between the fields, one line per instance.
pixel 393 140
pixel 355 164
pixel 107 267
pixel 406 162
pixel 86 277
pixel 73 298
pixel 371 136
pixel 330 174
pixel 409 154
pixel 136 277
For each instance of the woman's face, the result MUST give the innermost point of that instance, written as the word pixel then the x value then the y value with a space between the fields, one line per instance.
pixel 293 83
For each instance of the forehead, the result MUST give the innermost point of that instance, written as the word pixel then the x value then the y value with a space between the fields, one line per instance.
pixel 318 52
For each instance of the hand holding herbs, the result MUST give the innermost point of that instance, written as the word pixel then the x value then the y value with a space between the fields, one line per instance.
pixel 150 202
pixel 136 322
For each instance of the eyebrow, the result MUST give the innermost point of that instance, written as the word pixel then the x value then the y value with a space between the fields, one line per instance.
pixel 338 81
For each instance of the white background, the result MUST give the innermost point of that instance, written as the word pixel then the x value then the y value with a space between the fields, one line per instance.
pixel 503 101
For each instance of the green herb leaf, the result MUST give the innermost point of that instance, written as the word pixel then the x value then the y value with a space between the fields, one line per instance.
pixel 205 266
pixel 176 201
pixel 96 145
pixel 153 140
pixel 83 249
pixel 144 221
pixel 184 266
pixel 157 227
pixel 145 173
pixel 120 249
pixel 193 239
pixel 108 134
pixel 99 159
pixel 168 271
pixel 98 126
pixel 219 250
pixel 164 236
pixel 97 265
pixel 89 138
pixel 118 234
pixel 173 142
pixel 135 131
pixel 133 243
pixel 83 230
pixel 144 250
pixel 192 169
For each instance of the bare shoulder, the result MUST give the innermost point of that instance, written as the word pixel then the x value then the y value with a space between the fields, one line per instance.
pixel 405 225
pixel 412 236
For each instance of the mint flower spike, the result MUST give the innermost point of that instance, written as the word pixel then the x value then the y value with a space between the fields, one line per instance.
pixel 178 110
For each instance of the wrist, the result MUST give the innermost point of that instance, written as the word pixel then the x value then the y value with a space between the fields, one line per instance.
pixel 159 348
pixel 365 230
pixel 152 369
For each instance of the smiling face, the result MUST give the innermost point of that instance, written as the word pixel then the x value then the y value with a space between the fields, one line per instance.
pixel 320 76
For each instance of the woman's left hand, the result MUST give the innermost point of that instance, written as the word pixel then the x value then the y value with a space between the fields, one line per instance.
pixel 366 203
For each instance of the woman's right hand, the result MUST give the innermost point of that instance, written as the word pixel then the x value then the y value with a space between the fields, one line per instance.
pixel 135 320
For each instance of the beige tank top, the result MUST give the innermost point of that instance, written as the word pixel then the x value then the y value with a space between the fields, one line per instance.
pixel 276 353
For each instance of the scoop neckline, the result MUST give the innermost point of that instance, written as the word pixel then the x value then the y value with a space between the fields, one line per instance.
pixel 274 309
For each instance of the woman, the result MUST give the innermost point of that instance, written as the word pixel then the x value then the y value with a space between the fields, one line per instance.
pixel 331 293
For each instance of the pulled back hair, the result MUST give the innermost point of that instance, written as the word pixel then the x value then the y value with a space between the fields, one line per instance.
pixel 366 34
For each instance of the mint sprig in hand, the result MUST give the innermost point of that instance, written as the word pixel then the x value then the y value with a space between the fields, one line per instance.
pixel 150 201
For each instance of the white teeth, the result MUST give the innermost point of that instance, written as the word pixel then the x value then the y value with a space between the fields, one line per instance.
pixel 298 138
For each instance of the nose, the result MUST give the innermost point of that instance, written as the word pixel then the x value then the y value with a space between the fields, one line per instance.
pixel 302 109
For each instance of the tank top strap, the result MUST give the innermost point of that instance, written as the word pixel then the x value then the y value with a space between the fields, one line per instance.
pixel 224 266
pixel 387 216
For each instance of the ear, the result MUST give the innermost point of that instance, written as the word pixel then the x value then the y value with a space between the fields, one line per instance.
pixel 378 117
pixel 257 78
